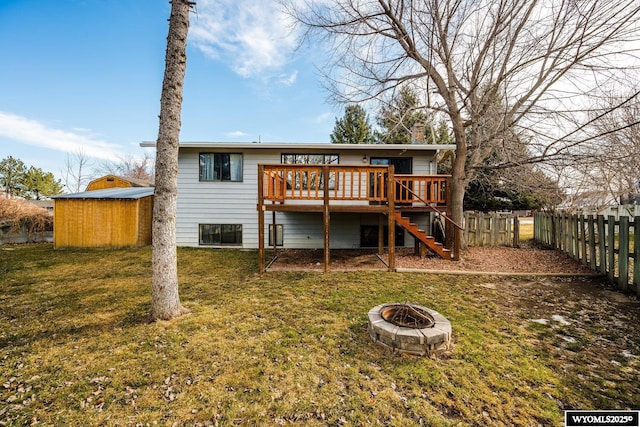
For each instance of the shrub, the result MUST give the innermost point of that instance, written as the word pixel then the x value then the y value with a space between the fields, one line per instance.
pixel 18 216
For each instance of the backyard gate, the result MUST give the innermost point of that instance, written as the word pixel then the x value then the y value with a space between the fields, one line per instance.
pixel 495 229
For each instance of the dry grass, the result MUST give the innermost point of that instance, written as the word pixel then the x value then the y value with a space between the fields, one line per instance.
pixel 292 348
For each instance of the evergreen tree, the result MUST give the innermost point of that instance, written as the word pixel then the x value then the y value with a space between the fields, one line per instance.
pixel 11 173
pixel 520 186
pixel 37 184
pixel 399 116
pixel 33 183
pixel 353 128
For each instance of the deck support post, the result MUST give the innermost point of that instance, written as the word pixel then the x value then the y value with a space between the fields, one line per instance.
pixel 391 218
pixel 261 267
pixel 326 219
pixel 274 233
pixel 380 234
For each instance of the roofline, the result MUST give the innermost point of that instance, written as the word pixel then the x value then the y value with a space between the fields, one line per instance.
pixel 307 146
pixel 115 193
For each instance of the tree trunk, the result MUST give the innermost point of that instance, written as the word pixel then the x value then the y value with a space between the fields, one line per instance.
pixel 165 300
pixel 459 178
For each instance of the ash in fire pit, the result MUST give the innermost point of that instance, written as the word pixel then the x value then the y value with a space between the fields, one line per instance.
pixel 407 315
pixel 410 328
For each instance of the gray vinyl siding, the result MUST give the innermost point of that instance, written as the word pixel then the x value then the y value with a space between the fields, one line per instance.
pixel 235 202
pixel 217 202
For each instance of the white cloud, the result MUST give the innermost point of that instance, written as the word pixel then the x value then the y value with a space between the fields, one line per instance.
pixel 37 134
pixel 323 118
pixel 254 37
pixel 288 80
pixel 236 134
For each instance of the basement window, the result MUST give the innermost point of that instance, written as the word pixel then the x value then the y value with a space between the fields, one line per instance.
pixel 220 234
pixel 369 236
pixel 279 235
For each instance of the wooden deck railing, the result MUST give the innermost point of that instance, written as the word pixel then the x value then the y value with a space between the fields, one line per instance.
pixel 357 188
pixel 430 189
pixel 282 183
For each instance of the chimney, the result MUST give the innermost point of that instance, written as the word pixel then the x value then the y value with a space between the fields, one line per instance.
pixel 417 134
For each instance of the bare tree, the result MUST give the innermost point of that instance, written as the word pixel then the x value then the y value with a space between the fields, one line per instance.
pixel 536 56
pixel 615 175
pixel 76 173
pixel 130 167
pixel 165 300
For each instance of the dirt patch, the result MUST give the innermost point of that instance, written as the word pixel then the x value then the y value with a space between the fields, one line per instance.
pixel 341 260
pixel 476 259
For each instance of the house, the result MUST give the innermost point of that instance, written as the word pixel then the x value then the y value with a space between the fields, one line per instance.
pixel 111 217
pixel 252 195
pixel 113 181
pixel 44 204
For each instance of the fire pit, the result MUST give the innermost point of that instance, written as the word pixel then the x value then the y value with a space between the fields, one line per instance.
pixel 410 328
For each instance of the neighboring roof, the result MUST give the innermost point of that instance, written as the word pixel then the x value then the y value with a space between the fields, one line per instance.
pixel 42 203
pixel 133 181
pixel 111 194
pixel 308 146
pixel 138 182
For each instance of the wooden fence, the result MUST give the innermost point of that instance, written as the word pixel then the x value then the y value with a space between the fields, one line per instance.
pixel 491 229
pixel 606 245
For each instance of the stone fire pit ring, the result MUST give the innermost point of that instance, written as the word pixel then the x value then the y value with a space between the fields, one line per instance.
pixel 427 341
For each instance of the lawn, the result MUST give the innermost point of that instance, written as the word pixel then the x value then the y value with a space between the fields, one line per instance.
pixel 292 348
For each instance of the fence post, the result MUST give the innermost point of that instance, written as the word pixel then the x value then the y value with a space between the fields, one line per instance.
pixel 576 237
pixel 623 254
pixel 611 225
pixel 592 243
pixel 602 245
pixel 516 231
pixel 566 224
pixel 480 221
pixel 636 254
pixel 467 223
pixel 561 234
pixel 583 232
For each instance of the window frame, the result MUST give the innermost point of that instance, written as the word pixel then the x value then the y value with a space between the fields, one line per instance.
pixel 238 232
pixel 222 174
pixel 284 161
pixel 334 160
pixel 372 230
pixel 279 235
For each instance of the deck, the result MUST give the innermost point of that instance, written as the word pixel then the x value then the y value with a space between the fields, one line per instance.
pixel 356 189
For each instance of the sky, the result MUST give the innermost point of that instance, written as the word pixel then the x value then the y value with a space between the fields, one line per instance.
pixel 86 76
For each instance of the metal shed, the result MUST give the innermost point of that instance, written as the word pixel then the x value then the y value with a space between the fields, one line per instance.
pixel 114 217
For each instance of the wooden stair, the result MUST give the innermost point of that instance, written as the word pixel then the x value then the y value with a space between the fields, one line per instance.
pixel 421 235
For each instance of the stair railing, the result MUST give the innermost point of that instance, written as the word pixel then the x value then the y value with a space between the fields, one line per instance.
pixel 457 233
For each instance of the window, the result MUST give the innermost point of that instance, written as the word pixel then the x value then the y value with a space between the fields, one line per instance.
pixel 220 167
pixel 310 159
pixel 369 236
pixel 279 235
pixel 221 234
pixel 401 165
pixel 309 181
